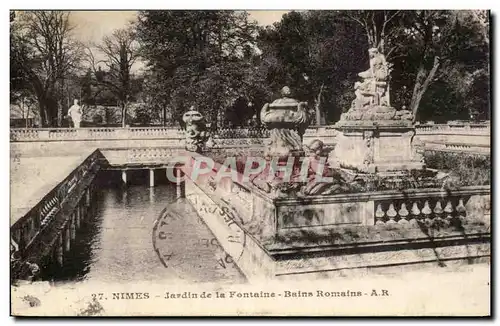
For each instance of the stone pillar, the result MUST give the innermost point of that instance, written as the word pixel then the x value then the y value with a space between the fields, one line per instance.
pixel 73 225
pixel 124 176
pixel 151 194
pixel 67 238
pixel 59 250
pixel 87 197
pixel 151 177
pixel 178 180
pixel 78 215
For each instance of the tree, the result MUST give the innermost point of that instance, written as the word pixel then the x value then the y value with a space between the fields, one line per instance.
pixel 199 58
pixel 120 51
pixel 422 43
pixel 44 53
pixel 317 53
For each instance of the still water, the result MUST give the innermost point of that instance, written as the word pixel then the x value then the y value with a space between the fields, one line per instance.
pixel 116 245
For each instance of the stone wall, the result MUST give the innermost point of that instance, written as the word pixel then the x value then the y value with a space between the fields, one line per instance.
pixel 322 236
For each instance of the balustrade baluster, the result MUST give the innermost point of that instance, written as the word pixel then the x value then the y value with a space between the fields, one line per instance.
pixel 391 213
pixel 448 210
pixel 415 214
pixel 426 211
pixel 379 215
pixel 403 214
pixel 438 211
pixel 461 211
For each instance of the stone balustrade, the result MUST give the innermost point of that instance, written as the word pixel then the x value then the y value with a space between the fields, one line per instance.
pixel 26 228
pixel 480 128
pixel 58 134
pixel 472 138
pixel 455 137
pixel 229 133
pixel 47 134
pixel 386 207
pixel 153 154
pixel 481 149
pixel 434 210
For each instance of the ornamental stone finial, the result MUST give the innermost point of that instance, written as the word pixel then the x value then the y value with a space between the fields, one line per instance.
pixel 195 130
pixel 287 119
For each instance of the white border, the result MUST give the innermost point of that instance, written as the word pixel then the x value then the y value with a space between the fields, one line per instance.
pixel 189 4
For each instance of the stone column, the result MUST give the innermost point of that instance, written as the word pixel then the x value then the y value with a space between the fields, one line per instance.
pixel 67 238
pixel 124 176
pixel 179 185
pixel 151 177
pixel 73 225
pixel 59 250
pixel 87 197
pixel 77 214
pixel 151 194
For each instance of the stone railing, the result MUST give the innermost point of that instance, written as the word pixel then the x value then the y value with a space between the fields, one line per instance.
pixel 472 138
pixel 434 206
pixel 480 128
pixel 48 134
pixel 481 149
pixel 466 134
pixel 386 207
pixel 25 229
pixel 144 156
pixel 229 133
pixel 58 134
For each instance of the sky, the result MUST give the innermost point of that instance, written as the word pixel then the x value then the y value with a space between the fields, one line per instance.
pixel 93 25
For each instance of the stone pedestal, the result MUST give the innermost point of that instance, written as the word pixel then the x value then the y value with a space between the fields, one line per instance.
pixel 375 146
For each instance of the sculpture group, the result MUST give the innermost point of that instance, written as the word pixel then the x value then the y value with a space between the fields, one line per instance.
pixel 372 100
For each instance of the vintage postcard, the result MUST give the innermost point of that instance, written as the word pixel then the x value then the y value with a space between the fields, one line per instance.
pixel 250 163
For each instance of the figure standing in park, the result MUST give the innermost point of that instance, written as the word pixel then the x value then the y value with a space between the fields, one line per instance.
pixel 75 112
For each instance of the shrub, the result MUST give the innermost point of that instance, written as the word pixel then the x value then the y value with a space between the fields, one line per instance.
pixel 471 169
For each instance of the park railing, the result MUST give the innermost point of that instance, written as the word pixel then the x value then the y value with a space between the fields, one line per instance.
pixel 54 134
pixel 461 128
pixel 475 137
pixel 57 134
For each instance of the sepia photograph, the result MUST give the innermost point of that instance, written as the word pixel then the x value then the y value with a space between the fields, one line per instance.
pixel 250 163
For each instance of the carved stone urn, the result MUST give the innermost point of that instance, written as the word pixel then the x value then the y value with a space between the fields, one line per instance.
pixel 287 120
pixel 195 130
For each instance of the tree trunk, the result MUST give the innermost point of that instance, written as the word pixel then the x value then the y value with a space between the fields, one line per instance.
pixel 44 117
pixel 60 103
pixel 59 113
pixel 44 114
pixel 164 116
pixel 317 105
pixel 421 84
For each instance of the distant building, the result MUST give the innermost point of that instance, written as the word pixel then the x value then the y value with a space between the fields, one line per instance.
pixel 23 115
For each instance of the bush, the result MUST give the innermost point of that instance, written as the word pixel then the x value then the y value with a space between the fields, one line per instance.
pixel 471 169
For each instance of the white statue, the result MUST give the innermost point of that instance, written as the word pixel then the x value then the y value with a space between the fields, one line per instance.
pixel 75 112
